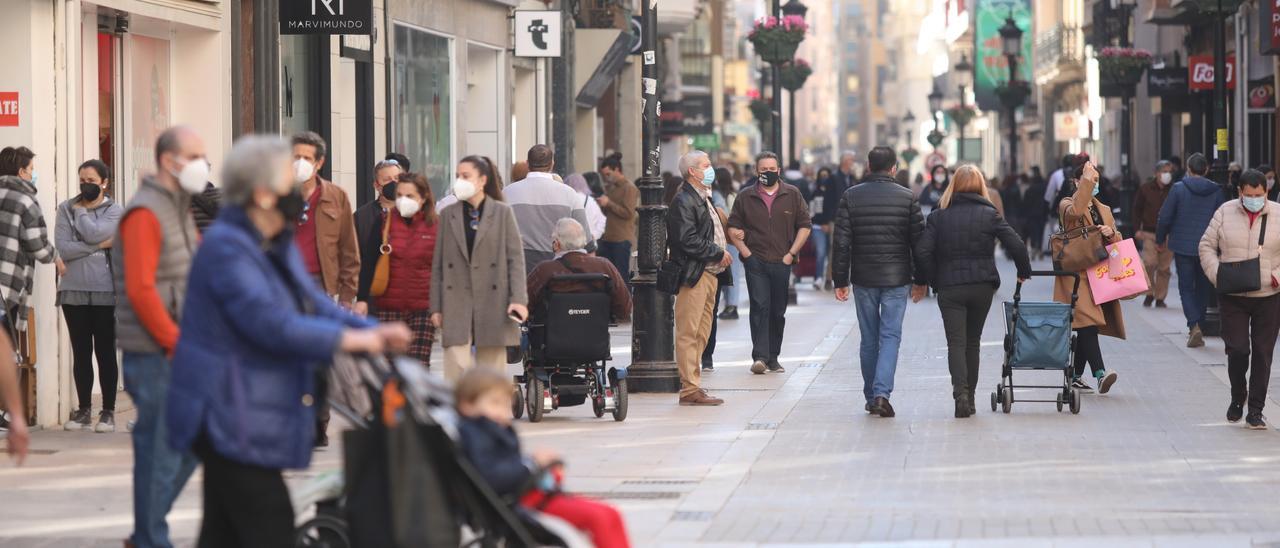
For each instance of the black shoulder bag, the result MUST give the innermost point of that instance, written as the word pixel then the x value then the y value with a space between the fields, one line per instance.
pixel 1243 276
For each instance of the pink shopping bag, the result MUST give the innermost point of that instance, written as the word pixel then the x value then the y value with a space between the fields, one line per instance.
pixel 1120 276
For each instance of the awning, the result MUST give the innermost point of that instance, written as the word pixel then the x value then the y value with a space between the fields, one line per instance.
pixel 600 55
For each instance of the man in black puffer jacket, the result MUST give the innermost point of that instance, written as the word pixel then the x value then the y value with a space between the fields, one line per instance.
pixel 876 230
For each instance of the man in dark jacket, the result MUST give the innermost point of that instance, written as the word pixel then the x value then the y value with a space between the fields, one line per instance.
pixel 1146 214
pixel 369 219
pixel 877 227
pixel 569 245
pixel 1182 221
pixel 696 245
pixel 769 224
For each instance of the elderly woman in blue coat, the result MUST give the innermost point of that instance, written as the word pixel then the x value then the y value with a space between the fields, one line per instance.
pixel 255 332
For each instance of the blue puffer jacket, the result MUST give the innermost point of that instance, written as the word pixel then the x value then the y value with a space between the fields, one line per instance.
pixel 245 366
pixel 1187 212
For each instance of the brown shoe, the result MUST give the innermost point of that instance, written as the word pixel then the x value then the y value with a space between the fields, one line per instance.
pixel 701 397
pixel 1196 339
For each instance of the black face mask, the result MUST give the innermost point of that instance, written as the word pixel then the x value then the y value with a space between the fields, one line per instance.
pixel 769 178
pixel 89 192
pixel 389 192
pixel 290 205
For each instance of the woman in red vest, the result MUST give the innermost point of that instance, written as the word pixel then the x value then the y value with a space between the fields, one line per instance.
pixel 411 237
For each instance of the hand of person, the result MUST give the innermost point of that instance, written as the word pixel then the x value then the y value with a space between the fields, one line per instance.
pixel 356 341
pixel 1022 280
pixel 726 259
pixel 395 335
pixel 106 244
pixel 60 266
pixel 737 234
pixel 917 293
pixel 437 320
pixel 828 228
pixel 518 310
pixel 603 201
pixel 842 294
pixel 1107 231
pixel 361 308
pixel 1090 173
pixel 544 457
pixel 789 259
pixel 19 440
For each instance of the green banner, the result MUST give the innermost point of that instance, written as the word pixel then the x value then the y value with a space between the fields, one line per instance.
pixel 990 66
pixel 706 142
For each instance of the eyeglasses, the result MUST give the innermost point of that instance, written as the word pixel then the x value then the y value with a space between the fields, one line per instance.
pixel 306 206
pixel 389 162
pixel 475 219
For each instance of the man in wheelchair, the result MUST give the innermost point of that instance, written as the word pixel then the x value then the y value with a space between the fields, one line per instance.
pixel 573 299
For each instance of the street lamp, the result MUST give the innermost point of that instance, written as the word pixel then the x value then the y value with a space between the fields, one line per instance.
pixel 1013 96
pixel 793 8
pixel 910 122
pixel 964 72
pixel 935 101
pixel 935 106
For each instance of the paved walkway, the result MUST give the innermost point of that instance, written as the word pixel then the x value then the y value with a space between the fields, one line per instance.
pixel 793 459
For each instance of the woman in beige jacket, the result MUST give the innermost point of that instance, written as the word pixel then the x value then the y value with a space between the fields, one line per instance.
pixel 1079 206
pixel 1251 320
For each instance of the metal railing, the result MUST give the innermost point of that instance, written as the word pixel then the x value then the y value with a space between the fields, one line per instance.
pixel 1061 45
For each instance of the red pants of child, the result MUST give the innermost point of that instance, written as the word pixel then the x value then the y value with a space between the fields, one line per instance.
pixel 601 521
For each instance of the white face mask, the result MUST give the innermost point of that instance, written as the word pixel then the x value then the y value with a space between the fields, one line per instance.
pixel 463 189
pixel 408 207
pixel 194 176
pixel 302 170
pixel 1166 178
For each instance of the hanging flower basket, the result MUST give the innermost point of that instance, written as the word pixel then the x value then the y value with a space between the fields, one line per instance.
pixel 793 74
pixel 776 40
pixel 1014 94
pixel 761 110
pixel 1122 66
pixel 935 138
pixel 962 115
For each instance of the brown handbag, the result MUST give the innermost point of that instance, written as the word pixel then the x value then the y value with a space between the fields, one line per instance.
pixel 1079 248
pixel 382 271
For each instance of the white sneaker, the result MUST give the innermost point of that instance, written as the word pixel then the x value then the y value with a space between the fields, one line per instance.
pixel 106 423
pixel 758 367
pixel 79 421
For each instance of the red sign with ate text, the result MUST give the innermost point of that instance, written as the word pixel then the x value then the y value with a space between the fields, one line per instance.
pixel 1201 76
pixel 8 109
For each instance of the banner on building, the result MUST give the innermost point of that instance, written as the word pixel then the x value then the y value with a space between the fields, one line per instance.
pixel 9 109
pixel 538 33
pixel 326 17
pixel 1269 28
pixel 696 119
pixel 1167 82
pixel 1069 125
pixel 1200 72
pixel 990 66
pixel 1262 95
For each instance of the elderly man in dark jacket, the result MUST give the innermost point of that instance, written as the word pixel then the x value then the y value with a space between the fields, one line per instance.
pixel 569 243
pixel 696 246
pixel 877 227
pixel 1183 219
pixel 1156 260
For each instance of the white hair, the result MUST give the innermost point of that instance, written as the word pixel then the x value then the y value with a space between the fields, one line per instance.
pixel 252 164
pixel 570 234
pixel 691 160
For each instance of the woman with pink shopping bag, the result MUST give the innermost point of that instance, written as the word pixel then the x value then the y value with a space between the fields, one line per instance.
pixel 1121 276
pixel 1240 253
pixel 1079 207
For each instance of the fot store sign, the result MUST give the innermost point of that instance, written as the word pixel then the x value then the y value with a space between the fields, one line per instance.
pixel 326 16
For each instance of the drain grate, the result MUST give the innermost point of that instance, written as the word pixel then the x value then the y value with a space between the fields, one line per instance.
pixel 692 516
pixel 762 426
pixel 633 495
pixel 660 482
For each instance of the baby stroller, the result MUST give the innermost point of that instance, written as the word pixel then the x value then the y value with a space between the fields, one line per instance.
pixel 1038 337
pixel 405 479
pixel 565 364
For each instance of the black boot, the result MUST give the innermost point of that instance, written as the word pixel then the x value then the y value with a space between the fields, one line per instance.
pixel 963 405
pixel 973 407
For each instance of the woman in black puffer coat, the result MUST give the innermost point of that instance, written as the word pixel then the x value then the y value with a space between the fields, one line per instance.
pixel 957 255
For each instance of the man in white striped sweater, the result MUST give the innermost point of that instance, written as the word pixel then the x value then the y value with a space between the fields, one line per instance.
pixel 539 202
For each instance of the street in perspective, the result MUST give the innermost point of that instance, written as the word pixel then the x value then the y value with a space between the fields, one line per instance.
pixel 722 273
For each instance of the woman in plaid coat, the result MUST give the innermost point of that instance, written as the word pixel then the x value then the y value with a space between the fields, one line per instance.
pixel 410 242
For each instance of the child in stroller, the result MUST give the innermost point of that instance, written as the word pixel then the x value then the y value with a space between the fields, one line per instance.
pixel 484 401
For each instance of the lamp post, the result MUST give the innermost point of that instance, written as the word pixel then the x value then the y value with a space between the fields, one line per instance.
pixel 935 108
pixel 653 365
pixel 964 71
pixel 775 101
pixel 909 153
pixel 1011 38
pixel 793 8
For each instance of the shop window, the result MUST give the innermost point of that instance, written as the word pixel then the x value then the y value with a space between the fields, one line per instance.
pixel 298 81
pixel 424 103
pixel 148 64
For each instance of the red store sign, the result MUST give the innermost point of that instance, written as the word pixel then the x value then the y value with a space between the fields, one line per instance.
pixel 1201 76
pixel 8 109
pixel 1275 25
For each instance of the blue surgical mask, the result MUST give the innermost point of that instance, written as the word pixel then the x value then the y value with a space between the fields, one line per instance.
pixel 708 176
pixel 1096 189
pixel 1254 204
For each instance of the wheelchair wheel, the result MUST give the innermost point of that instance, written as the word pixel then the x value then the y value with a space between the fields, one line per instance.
pixel 533 395
pixel 620 400
pixel 322 532
pixel 517 401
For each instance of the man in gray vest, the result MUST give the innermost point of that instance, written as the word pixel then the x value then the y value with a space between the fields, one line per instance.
pixel 154 247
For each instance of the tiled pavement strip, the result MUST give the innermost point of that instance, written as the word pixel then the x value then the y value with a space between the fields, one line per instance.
pixel 793 459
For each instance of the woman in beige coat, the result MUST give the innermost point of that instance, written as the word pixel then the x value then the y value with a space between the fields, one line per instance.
pixel 477 272
pixel 1251 320
pixel 1080 207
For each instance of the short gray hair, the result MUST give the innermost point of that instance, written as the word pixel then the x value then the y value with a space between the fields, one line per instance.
pixel 252 164
pixel 570 234
pixel 691 160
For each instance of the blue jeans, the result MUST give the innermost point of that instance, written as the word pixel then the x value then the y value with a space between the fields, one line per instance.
pixel 1193 288
pixel 821 242
pixel 618 253
pixel 880 314
pixel 735 268
pixel 159 472
pixel 767 290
